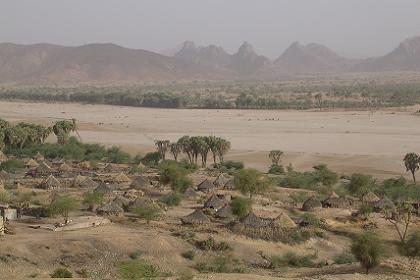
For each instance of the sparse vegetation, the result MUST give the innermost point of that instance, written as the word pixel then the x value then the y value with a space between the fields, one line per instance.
pixel 368 250
pixel 61 273
pixel 139 269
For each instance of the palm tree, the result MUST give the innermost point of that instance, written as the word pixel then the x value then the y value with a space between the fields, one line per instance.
pixel 175 149
pixel 162 147
pixel 212 143
pixel 185 144
pixel 62 130
pixel 223 147
pixel 412 163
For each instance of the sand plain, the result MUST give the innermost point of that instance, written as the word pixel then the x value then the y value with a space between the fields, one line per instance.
pixel 348 141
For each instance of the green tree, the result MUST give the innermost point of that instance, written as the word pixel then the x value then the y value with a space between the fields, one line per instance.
pixel 368 250
pixel 62 130
pixel 162 147
pixel 250 181
pixel 412 246
pixel 412 164
pixel 275 156
pixel 324 175
pixel 241 206
pixel 149 212
pixel 175 149
pixel 63 206
pixel 93 200
pixel 360 184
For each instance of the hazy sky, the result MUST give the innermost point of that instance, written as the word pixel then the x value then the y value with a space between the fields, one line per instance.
pixel 352 27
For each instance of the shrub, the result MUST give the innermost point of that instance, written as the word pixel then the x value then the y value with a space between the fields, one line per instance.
pixel 360 184
pixel 61 273
pixel 172 199
pixel 250 181
pixel 135 255
pixel 310 220
pixel 172 173
pixel 276 169
pixel 115 155
pixel 136 170
pixel 189 254
pixel 412 246
pixel 293 260
pixel 368 250
pixel 139 269
pixel 344 258
pixel 63 206
pixel 149 212
pixel 301 180
pixel 220 264
pixel 211 244
pixel 365 210
pixel 325 176
pixel 151 159
pixel 241 206
pixel 299 197
pixel 12 165
pixel 93 199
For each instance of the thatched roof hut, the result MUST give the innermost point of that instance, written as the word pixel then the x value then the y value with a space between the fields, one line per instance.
pixel 31 163
pixel 230 184
pixel 225 212
pixel 109 168
pixel 205 186
pixel 103 188
pixel 141 202
pixel 196 218
pixel 384 204
pixel 220 181
pixel 110 209
pixel 88 183
pixel 311 203
pixel 121 178
pixel 50 183
pixel 370 198
pixel 334 201
pixel 252 220
pixel 43 168
pixel 39 157
pixel 214 202
pixel 283 221
pixel 190 193
pixel 140 183
pixel 84 165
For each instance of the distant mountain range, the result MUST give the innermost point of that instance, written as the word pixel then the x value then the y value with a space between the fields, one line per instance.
pixel 109 63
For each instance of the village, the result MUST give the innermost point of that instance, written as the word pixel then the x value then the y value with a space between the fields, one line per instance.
pixel 215 218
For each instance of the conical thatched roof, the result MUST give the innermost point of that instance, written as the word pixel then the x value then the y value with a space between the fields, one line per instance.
pixel 196 218
pixel 43 167
pixel 252 220
pixel 370 197
pixel 225 212
pixel 141 165
pixel 283 221
pixel 205 186
pixel 109 167
pixel 111 209
pixel 3 157
pixel 334 202
pixel 103 188
pixel 230 184
pixel 190 193
pixel 141 202
pixel 140 182
pixel 31 164
pixel 39 157
pixel 384 204
pixel 311 204
pixel 121 178
pixel 50 183
pixel 88 183
pixel 220 181
pixel 214 202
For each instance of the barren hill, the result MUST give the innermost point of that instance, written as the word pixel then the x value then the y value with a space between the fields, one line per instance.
pixel 406 57
pixel 93 63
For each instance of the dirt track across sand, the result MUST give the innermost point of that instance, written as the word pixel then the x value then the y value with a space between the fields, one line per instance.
pixel 348 141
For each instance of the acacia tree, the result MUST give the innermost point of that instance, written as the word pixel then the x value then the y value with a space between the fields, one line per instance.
pixel 275 156
pixel 62 130
pixel 412 164
pixel 250 181
pixel 175 149
pixel 400 218
pixel 368 250
pixel 162 147
pixel 63 206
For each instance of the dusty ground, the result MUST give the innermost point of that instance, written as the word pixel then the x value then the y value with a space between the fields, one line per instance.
pixel 348 141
